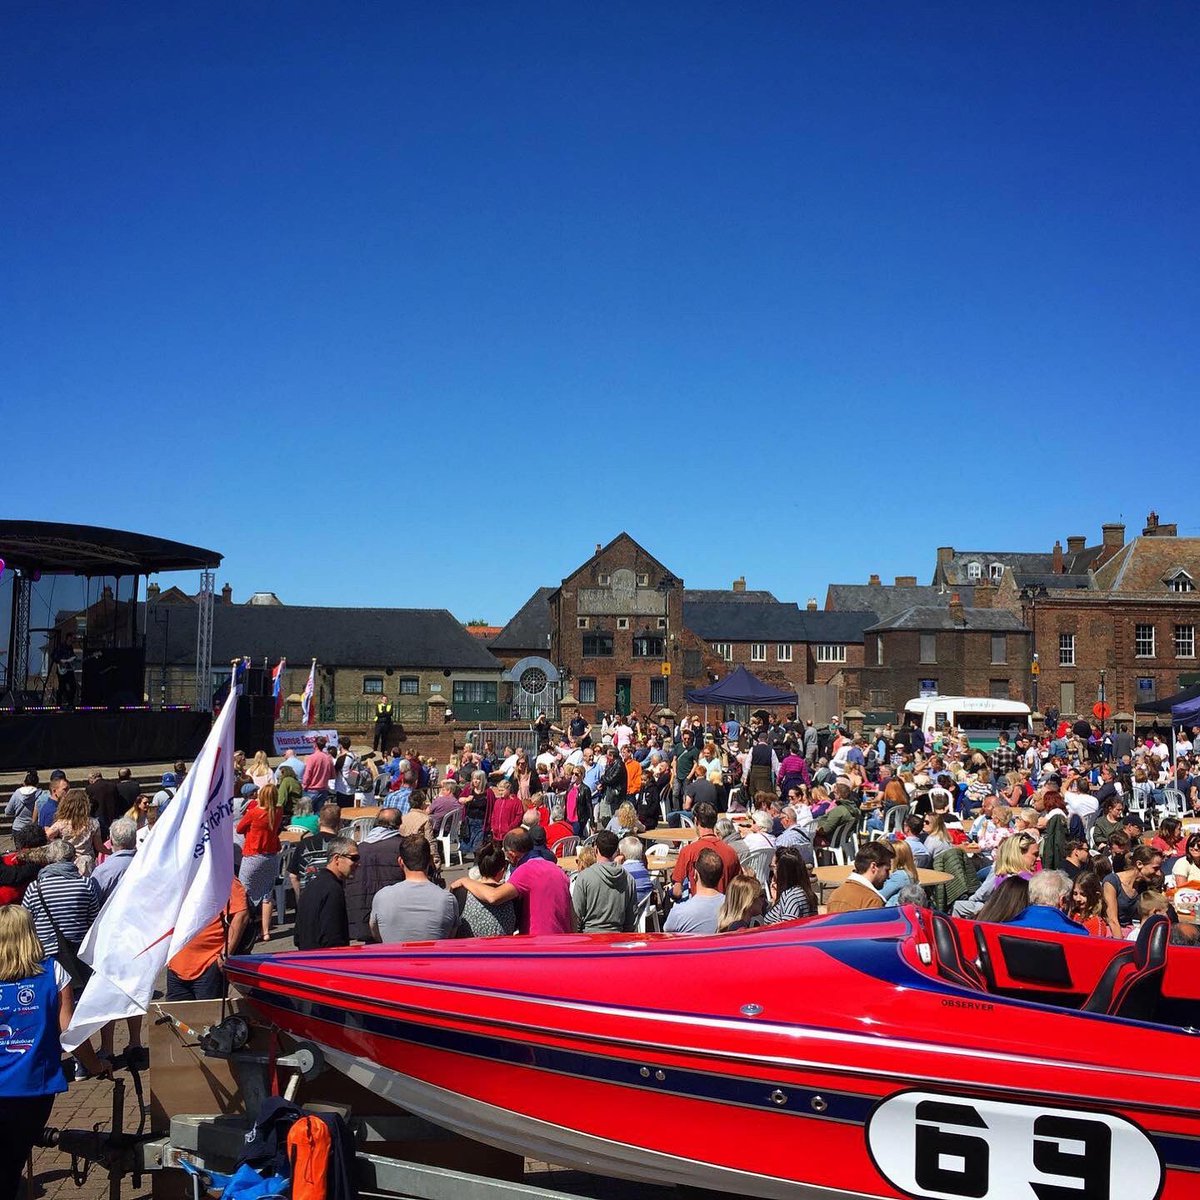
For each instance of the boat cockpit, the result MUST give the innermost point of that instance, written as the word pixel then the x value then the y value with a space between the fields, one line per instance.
pixel 1144 980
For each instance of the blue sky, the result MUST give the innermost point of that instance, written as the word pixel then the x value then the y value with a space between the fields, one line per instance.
pixel 413 304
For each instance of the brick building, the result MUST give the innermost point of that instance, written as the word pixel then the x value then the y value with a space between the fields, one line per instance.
pixel 1126 627
pixel 616 623
pixel 953 651
pixel 420 658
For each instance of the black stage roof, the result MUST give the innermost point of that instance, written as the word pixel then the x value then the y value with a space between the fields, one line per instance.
pixel 56 549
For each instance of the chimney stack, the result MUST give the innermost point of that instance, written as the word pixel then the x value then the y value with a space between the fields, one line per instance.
pixel 812 604
pixel 152 592
pixel 985 592
pixel 957 615
pixel 1058 558
pixel 874 581
pixel 227 594
pixel 1112 536
pixel 1076 544
pixel 906 581
pixel 739 584
pixel 599 547
pixel 107 593
pixel 1155 528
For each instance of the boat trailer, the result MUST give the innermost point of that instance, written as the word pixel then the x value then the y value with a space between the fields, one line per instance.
pixel 240 1064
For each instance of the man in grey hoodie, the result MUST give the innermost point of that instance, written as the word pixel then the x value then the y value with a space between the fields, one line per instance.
pixel 605 896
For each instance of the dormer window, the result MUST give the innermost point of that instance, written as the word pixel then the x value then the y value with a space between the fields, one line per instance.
pixel 974 570
pixel 1180 581
pixel 996 571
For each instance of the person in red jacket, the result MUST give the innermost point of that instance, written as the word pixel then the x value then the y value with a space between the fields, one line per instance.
pixel 504 812
pixel 19 868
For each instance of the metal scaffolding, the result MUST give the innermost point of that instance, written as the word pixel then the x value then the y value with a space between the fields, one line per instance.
pixel 204 641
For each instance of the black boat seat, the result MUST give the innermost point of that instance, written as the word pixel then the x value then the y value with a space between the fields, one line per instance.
pixel 953 965
pixel 1132 981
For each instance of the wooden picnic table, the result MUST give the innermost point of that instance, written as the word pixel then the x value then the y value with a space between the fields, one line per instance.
pixel 665 834
pixel 666 862
pixel 837 875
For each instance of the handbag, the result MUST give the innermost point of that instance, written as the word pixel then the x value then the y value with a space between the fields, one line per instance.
pixel 68 951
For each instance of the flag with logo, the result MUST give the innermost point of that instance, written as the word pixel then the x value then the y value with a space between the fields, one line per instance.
pixel 306 700
pixel 277 686
pixel 177 882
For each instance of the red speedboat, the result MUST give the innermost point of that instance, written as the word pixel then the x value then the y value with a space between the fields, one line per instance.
pixel 888 1053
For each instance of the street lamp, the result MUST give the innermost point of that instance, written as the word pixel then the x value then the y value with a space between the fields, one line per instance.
pixel 664 587
pixel 1103 698
pixel 1031 595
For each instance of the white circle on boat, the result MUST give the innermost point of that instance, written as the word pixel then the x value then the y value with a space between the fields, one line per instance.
pixel 945 1146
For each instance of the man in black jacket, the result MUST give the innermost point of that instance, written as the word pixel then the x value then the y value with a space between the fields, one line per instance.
pixel 612 785
pixel 321 919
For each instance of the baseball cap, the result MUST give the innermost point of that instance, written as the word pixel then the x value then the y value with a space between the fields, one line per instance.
pixel 169 780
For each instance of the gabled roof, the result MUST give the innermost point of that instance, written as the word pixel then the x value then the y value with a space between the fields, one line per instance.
pixel 886 600
pixel 826 627
pixel 530 628
pixel 1145 563
pixel 722 596
pixel 603 550
pixel 773 623
pixel 731 621
pixel 343 637
pixel 929 619
pixel 1065 582
pixel 954 570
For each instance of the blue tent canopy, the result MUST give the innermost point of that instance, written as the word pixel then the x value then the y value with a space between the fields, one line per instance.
pixel 741 688
pixel 1186 712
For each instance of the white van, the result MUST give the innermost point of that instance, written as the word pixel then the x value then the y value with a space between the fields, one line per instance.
pixel 978 717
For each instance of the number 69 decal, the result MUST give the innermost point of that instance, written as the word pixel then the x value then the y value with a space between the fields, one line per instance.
pixel 949 1147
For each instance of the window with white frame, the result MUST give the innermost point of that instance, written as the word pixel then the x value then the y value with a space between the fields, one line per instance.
pixel 1143 641
pixel 582 622
pixel 974 570
pixel 1185 641
pixel 603 579
pixel 587 691
pixel 929 647
pixel 643 580
pixel 758 651
pixel 622 622
pixel 1066 653
pixel 783 652
pixel 410 685
pixel 1181 581
pixel 996 572
pixel 723 650
pixel 662 622
pixel 372 685
pixel 658 690
pixel 999 647
pixel 831 654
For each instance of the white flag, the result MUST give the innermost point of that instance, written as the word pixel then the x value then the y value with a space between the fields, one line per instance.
pixel 306 700
pixel 178 881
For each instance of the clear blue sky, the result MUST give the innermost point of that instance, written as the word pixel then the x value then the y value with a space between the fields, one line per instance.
pixel 455 291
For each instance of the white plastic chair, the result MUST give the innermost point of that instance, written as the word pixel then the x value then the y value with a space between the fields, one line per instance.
pixel 647 916
pixel 565 847
pixel 687 821
pixel 760 863
pixel 447 837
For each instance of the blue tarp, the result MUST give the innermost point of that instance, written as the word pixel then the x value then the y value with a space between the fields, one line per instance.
pixel 741 688
pixel 1187 712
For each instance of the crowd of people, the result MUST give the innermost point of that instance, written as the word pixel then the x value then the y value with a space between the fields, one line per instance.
pixel 1060 829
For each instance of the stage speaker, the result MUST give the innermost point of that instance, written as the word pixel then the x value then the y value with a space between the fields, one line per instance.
pixel 254 726
pixel 114 677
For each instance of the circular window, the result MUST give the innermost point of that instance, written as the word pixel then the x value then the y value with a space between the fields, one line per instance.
pixel 533 681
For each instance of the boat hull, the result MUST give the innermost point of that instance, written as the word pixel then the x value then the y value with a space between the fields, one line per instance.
pixel 708 1090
